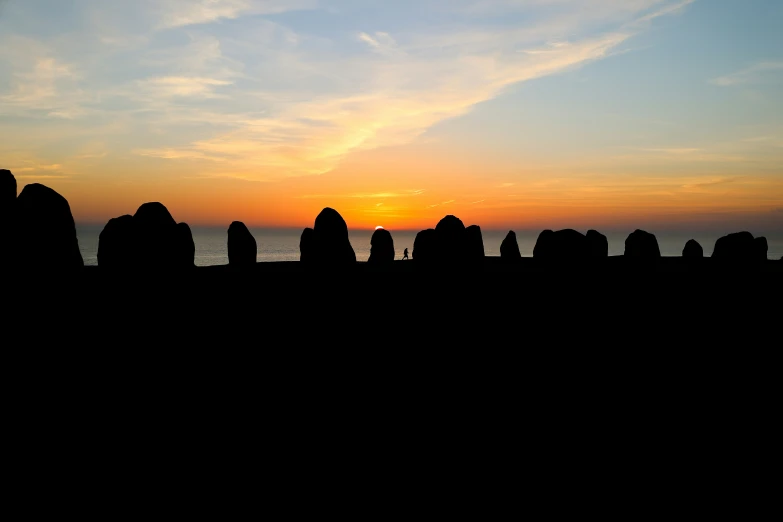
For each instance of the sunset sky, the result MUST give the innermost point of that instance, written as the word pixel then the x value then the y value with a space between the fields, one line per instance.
pixel 510 114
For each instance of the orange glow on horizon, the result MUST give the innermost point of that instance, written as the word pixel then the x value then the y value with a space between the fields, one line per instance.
pixel 409 190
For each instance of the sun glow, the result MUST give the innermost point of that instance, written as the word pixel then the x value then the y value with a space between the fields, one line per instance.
pixel 379 227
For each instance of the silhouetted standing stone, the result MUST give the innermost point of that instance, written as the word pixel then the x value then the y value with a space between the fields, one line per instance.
pixel 562 246
pixel 642 245
pixel 156 237
pixel 739 247
pixel 332 244
pixel 116 244
pixel 381 247
pixel 7 189
pixel 7 206
pixel 693 250
pixel 307 246
pixel 597 245
pixel 474 245
pixel 542 248
pixel 425 247
pixel 761 248
pixel 451 240
pixel 45 231
pixel 509 248
pixel 153 215
pixel 185 248
pixel 242 246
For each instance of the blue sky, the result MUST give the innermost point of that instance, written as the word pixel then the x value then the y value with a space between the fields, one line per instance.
pixel 267 90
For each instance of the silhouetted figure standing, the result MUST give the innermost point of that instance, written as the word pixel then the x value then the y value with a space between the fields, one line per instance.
pixel 405 254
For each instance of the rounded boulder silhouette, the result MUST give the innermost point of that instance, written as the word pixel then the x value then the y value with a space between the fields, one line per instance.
pixel 381 247
pixel 693 250
pixel 45 231
pixel 332 244
pixel 116 247
pixel 642 245
pixel 156 237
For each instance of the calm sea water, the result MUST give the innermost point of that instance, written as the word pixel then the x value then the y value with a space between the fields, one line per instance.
pixel 283 244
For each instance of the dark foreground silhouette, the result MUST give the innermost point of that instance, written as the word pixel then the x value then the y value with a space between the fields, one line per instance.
pixel 106 358
pixel 38 235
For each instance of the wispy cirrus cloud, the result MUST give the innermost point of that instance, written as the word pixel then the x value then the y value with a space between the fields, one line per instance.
pixel 679 151
pixel 441 204
pixel 367 195
pixel 179 13
pixel 183 86
pixel 752 74
pixel 39 80
pixel 709 183
pixel 683 155
pixel 262 100
pixel 404 98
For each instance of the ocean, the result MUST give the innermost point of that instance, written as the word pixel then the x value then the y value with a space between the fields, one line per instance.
pixel 283 244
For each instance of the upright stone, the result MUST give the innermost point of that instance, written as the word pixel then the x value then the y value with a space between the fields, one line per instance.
pixel 7 190
pixel 156 237
pixel 45 231
pixel 474 245
pixel 597 245
pixel 509 248
pixel 736 247
pixel 116 244
pixel 332 243
pixel 381 248
pixel 307 246
pixel 185 248
pixel 425 247
pixel 450 240
pixel 761 248
pixel 563 246
pixel 642 245
pixel 542 249
pixel 693 250
pixel 7 206
pixel 242 246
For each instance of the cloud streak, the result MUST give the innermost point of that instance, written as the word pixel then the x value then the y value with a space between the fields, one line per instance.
pixel 753 74
pixel 260 100
pixel 180 13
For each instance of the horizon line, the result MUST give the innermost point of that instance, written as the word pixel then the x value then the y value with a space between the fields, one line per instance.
pixel 613 229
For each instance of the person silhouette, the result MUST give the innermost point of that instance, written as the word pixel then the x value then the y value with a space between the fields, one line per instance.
pixel 405 254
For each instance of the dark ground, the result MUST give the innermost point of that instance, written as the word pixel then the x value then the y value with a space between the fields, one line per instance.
pixel 558 363
pixel 276 303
